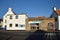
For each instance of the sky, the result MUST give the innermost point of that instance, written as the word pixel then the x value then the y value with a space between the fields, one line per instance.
pixel 31 7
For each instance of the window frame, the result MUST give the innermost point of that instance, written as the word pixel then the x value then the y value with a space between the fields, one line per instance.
pixel 10 16
pixel 16 16
pixel 22 25
pixel 16 25
pixel 10 25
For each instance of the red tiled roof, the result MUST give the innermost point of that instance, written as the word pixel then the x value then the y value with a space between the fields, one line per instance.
pixel 58 12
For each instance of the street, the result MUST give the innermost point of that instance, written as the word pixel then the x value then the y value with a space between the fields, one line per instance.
pixel 23 35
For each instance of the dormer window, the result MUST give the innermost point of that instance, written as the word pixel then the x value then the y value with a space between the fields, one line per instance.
pixel 10 17
pixel 16 16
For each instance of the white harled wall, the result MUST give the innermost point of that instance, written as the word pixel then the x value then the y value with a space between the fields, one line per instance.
pixel 59 21
pixel 20 21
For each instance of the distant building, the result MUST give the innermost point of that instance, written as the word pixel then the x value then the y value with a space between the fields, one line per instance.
pixel 12 21
pixel 56 15
pixel 1 23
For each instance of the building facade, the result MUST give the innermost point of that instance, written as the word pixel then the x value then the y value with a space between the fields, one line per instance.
pixel 40 23
pixel 56 15
pixel 12 21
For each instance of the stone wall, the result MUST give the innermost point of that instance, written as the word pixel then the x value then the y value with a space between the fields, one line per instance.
pixel 43 25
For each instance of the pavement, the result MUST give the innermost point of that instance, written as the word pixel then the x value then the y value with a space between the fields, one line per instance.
pixel 14 35
pixel 24 35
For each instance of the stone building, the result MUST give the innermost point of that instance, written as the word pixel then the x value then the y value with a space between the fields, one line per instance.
pixel 40 23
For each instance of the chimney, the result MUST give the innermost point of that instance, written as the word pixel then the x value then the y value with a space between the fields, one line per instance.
pixel 54 8
pixel 9 9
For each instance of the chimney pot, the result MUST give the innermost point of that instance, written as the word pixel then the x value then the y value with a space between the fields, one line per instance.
pixel 10 9
pixel 54 8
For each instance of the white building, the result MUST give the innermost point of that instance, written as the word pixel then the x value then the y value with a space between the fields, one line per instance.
pixel 12 21
pixel 56 14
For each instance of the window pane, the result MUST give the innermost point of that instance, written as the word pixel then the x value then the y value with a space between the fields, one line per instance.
pixel 37 27
pixel 16 25
pixel 10 25
pixel 16 16
pixel 10 17
pixel 22 25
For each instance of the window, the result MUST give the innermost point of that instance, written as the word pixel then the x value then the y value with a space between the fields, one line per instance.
pixel 22 25
pixel 37 27
pixel 10 17
pixel 10 25
pixel 16 16
pixel 34 24
pixel 16 25
pixel 50 24
pixel 33 28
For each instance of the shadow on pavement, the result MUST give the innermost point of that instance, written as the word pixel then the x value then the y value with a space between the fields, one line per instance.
pixel 37 35
pixel 23 35
pixel 43 35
